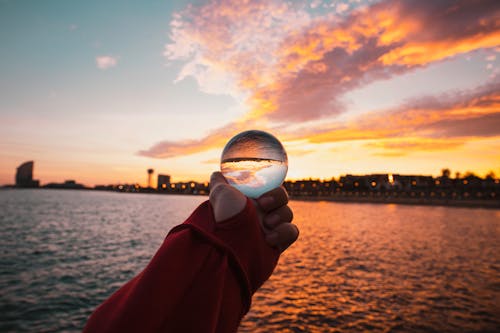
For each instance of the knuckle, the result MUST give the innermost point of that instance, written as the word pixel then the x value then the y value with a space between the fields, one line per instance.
pixel 285 194
pixel 280 199
pixel 285 214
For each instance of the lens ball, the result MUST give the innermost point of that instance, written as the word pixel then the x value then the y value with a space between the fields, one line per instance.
pixel 254 162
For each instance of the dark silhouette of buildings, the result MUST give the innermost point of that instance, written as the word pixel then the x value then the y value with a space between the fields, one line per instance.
pixel 163 182
pixel 68 184
pixel 468 190
pixel 24 176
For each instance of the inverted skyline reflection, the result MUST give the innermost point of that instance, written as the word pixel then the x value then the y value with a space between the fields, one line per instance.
pixel 254 162
pixel 254 177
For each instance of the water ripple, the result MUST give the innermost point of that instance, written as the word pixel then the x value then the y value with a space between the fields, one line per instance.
pixel 384 268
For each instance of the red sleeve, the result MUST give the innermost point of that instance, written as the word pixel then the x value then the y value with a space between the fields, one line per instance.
pixel 200 280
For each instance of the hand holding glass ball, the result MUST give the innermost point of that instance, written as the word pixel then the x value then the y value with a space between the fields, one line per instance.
pixel 254 162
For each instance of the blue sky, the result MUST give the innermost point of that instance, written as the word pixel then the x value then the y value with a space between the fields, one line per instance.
pixel 57 100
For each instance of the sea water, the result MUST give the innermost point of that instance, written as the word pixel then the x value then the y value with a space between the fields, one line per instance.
pixel 355 267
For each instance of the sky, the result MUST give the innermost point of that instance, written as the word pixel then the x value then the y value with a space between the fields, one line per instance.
pixel 100 91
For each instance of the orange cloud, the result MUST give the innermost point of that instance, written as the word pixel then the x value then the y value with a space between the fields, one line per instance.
pixel 377 42
pixel 429 123
pixel 445 29
pixel 452 117
pixel 293 67
pixel 215 139
pixel 167 149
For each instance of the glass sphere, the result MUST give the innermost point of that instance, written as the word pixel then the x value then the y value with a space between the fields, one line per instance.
pixel 254 162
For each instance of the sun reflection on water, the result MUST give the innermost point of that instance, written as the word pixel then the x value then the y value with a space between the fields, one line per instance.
pixel 380 268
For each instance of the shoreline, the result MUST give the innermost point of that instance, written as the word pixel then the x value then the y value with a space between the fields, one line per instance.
pixel 489 204
pixel 422 201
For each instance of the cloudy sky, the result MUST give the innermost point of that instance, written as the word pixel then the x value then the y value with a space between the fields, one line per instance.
pixel 99 91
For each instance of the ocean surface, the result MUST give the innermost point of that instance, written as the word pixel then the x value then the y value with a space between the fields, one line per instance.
pixel 355 267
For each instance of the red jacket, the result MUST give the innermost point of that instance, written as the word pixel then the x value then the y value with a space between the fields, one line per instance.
pixel 201 279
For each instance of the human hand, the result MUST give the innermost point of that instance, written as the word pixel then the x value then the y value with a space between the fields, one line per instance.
pixel 274 214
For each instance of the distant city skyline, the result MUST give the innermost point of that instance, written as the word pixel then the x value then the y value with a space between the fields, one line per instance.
pixel 25 172
pixel 466 190
pixel 102 91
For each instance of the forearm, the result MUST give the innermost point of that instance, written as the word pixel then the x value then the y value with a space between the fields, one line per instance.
pixel 200 280
pixel 183 285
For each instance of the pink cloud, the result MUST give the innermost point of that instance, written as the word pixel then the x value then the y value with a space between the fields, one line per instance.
pixel 293 68
pixel 228 45
pixel 215 139
pixel 105 62
pixel 341 8
pixel 454 117
pixel 389 38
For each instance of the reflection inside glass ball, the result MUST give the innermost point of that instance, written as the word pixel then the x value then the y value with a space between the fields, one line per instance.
pixel 254 162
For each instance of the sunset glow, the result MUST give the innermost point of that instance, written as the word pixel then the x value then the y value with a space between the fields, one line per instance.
pixel 349 87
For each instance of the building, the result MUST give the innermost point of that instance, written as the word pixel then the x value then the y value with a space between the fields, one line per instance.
pixel 24 176
pixel 68 184
pixel 163 182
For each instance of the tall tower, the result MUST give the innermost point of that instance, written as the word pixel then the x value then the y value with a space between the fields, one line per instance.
pixel 150 178
pixel 24 175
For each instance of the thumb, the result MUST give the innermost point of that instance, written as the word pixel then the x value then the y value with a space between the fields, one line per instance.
pixel 226 201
